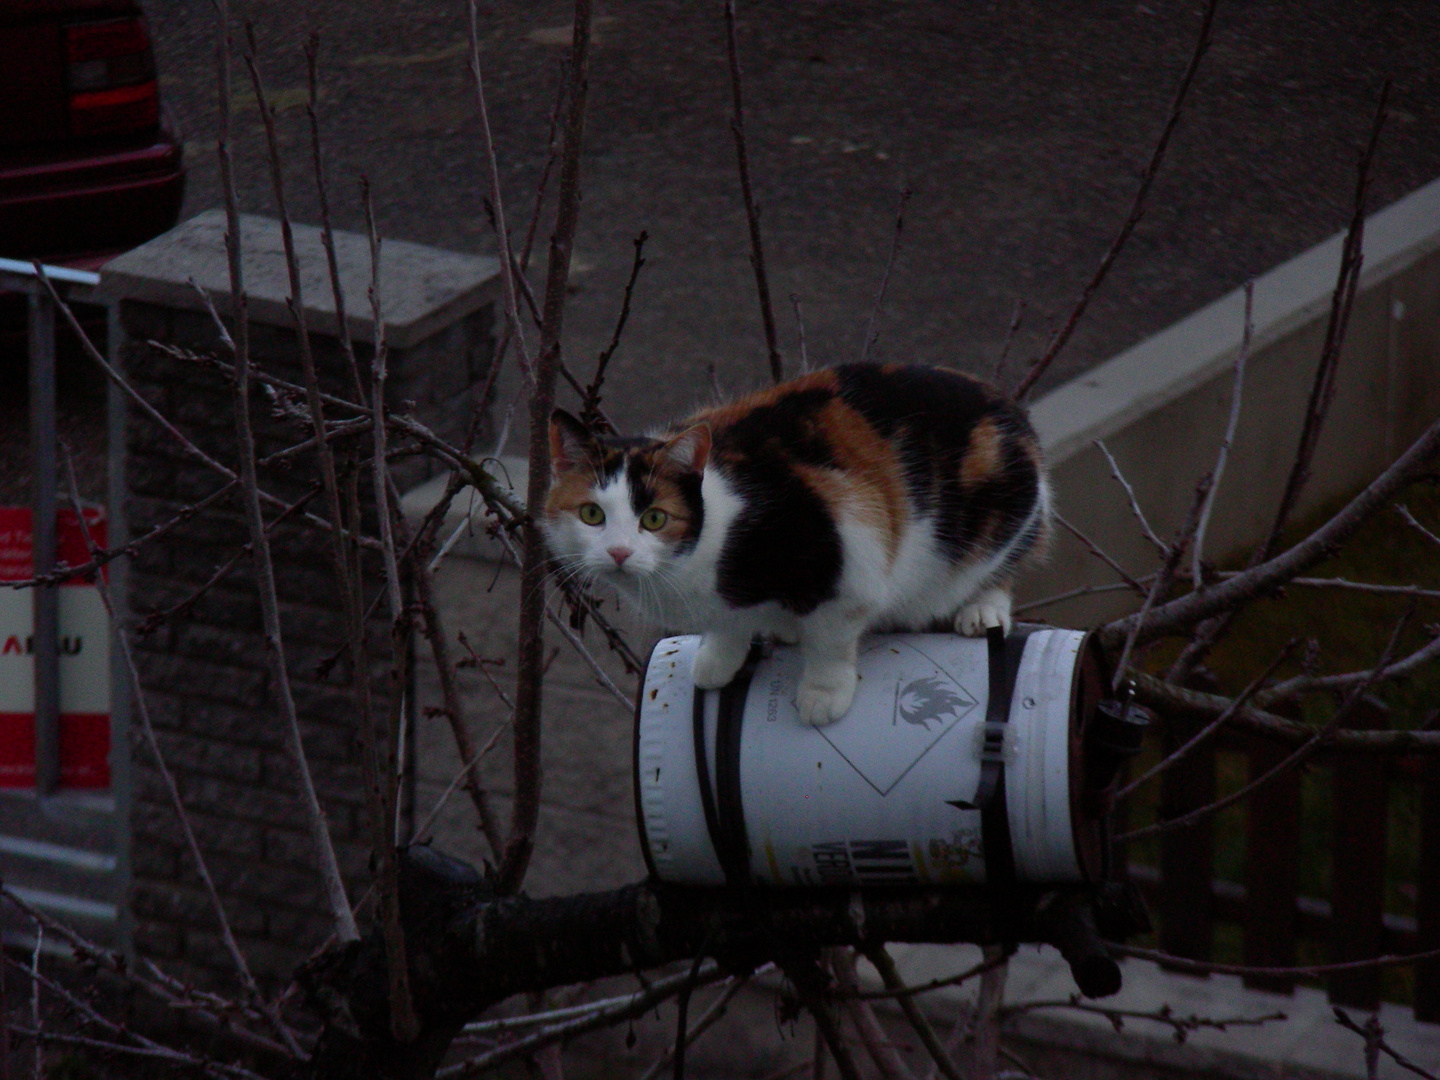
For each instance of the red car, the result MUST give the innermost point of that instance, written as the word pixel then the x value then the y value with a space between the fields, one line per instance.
pixel 88 167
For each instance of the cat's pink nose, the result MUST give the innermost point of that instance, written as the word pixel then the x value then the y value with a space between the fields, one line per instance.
pixel 619 554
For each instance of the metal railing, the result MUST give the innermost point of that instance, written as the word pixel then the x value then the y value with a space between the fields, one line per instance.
pixel 73 285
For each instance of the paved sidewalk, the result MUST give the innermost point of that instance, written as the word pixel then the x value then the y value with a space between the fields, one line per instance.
pixel 1308 1043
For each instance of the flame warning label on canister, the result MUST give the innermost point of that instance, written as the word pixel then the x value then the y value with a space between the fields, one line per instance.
pixel 921 698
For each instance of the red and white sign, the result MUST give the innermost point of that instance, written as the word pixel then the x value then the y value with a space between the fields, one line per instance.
pixel 84 657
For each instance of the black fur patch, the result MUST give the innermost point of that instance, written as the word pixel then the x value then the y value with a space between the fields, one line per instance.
pixel 783 546
pixel 928 414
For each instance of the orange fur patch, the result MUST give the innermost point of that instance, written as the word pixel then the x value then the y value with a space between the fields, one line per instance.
pixel 722 416
pixel 569 491
pixel 983 456
pixel 669 499
pixel 876 488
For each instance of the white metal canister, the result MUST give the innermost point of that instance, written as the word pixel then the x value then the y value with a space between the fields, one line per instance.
pixel 889 793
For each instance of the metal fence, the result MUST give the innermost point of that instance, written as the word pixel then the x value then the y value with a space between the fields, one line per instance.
pixel 64 851
pixel 1276 923
pixel 79 286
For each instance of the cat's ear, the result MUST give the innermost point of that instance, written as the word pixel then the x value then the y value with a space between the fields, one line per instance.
pixel 571 443
pixel 690 449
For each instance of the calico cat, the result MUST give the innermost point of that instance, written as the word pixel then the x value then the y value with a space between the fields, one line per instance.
pixel 855 498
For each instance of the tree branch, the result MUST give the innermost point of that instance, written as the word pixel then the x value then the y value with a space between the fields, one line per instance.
pixel 1187 610
pixel 525 808
pixel 752 211
pixel 1137 210
pixel 328 869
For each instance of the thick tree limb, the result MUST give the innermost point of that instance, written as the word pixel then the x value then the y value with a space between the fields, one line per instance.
pixel 1169 698
pixel 471 949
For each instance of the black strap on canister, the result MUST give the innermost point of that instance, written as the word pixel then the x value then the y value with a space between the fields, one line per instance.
pixel 721 800
pixel 702 772
pixel 995 836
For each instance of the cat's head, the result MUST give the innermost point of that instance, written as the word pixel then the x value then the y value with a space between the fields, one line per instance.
pixel 623 508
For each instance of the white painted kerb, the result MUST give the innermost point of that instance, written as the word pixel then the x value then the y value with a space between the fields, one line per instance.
pixel 1196 349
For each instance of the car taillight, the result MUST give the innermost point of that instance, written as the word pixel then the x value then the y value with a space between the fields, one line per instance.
pixel 112 78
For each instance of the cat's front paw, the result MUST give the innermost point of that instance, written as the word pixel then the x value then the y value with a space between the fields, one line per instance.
pixel 990 608
pixel 717 660
pixel 825 696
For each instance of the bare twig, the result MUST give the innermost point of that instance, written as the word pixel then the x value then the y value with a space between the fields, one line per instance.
pixel 800 329
pixel 328 868
pixel 1357 586
pixel 876 1042
pixel 1137 210
pixel 1071 594
pixel 454 713
pixel 1181 1026
pixel 525 808
pixel 1167 697
pixel 1206 967
pixel 162 987
pixel 1303 684
pixel 626 701
pixel 809 988
pixel 886 967
pixel 550 158
pixel 712 1013
pixel 464 771
pixel 1145 528
pixel 752 211
pixel 1236 706
pixel 1193 607
pixel 1322 390
pixel 1016 317
pixel 1291 761
pixel 4 1025
pixel 117 1031
pixel 871 334
pixel 187 447
pixel 104 556
pixel 487 145
pixel 404 1022
pixel 38 1064
pixel 327 235
pixel 637 1005
pixel 1404 512
pixel 1375 1044
pixel 157 1053
pixel 985 1055
pixel 1163 577
pixel 590 402
pixel 1236 384
pixel 986 964
pixel 147 729
pixel 1095 550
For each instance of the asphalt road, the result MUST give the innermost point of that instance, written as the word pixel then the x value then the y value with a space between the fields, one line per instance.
pixel 1021 129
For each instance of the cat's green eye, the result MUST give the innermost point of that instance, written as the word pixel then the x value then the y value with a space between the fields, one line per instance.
pixel 653 519
pixel 591 514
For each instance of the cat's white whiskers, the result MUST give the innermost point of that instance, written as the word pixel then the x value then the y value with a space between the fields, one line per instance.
pixel 688 610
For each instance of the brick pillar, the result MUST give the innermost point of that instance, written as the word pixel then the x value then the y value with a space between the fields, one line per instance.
pixel 204 670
